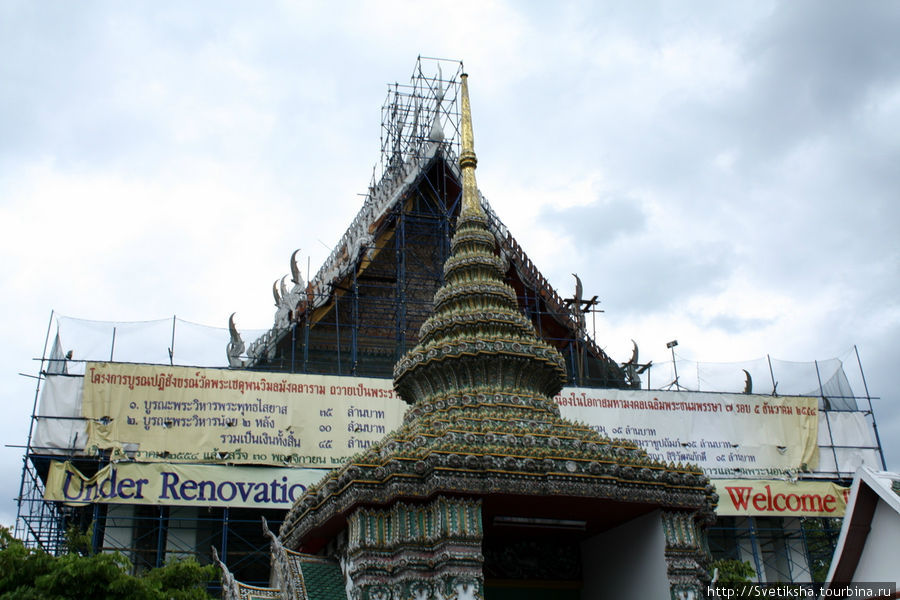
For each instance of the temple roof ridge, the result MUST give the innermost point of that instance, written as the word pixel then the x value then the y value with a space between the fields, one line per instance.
pixel 408 156
pixel 380 199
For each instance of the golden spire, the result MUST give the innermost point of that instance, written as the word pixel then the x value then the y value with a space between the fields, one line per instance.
pixel 469 339
pixel 467 161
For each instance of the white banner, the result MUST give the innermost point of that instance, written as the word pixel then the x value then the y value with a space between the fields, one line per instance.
pixel 846 442
pixel 193 415
pixel 728 435
pixel 60 428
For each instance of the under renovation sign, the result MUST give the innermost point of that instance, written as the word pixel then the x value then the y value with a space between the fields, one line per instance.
pixel 180 485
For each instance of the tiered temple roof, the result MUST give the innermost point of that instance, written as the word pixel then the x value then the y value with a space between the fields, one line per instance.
pixel 483 467
pixel 482 427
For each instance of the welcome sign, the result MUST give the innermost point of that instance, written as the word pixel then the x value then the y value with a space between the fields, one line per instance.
pixel 180 485
pixel 777 498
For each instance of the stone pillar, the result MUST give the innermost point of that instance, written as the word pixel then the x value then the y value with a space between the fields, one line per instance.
pixel 687 557
pixel 415 552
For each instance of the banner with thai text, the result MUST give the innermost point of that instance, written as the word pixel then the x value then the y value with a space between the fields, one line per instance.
pixel 728 435
pixel 192 415
pixel 180 485
pixel 183 414
pixel 778 498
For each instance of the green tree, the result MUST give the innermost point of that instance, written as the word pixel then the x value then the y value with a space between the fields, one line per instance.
pixel 821 536
pixel 183 579
pixel 28 574
pixel 732 571
pixel 78 541
pixel 732 574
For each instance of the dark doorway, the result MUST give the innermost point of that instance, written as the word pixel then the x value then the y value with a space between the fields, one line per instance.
pixel 532 567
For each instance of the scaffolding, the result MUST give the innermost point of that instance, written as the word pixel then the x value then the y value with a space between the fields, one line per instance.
pixel 357 316
pixel 363 309
pixel 778 549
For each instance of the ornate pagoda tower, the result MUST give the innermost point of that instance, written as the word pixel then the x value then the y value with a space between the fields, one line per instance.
pixel 485 491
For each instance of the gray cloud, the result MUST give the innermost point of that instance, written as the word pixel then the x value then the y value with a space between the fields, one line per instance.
pixel 638 275
pixel 812 71
pixel 601 223
pixel 648 278
pixel 735 325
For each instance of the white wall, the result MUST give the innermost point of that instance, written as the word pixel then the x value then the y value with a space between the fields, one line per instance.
pixel 626 562
pixel 879 561
pixel 119 531
pixel 181 538
pixel 796 550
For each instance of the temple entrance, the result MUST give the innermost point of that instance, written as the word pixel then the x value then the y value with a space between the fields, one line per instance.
pixel 526 563
pixel 531 590
pixel 556 547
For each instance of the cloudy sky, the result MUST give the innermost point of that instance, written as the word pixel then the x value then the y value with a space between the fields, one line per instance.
pixel 721 173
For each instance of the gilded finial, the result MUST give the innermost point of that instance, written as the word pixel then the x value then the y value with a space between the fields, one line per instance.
pixel 467 161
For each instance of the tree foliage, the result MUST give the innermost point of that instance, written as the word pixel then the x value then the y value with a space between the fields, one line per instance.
pixel 29 574
pixel 821 539
pixel 732 571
